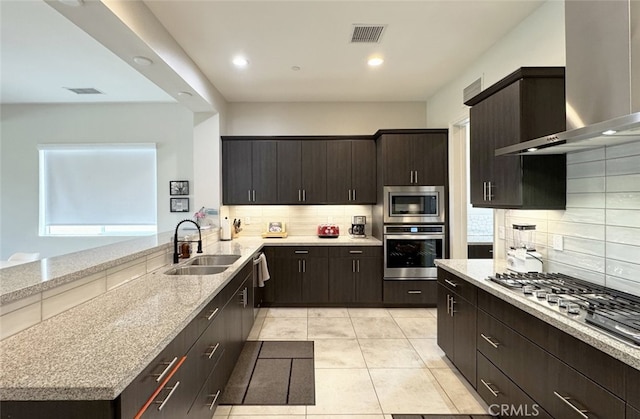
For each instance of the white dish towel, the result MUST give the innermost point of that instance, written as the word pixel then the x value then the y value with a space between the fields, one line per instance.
pixel 263 270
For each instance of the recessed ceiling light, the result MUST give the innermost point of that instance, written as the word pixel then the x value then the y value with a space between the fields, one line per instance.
pixel 609 132
pixel 240 61
pixel 532 149
pixel 375 61
pixel 185 94
pixel 142 61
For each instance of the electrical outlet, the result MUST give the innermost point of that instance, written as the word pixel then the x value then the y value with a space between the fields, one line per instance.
pixel 501 233
pixel 558 242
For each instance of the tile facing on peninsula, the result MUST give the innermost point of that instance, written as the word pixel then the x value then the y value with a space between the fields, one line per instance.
pixel 125 273
pixel 60 302
pixel 20 319
pixel 18 304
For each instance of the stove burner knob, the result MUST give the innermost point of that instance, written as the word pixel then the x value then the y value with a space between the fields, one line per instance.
pixel 573 308
pixel 542 294
pixel 562 302
pixel 552 299
pixel 527 289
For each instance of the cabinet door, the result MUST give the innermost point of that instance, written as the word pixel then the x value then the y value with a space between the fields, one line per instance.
pixel 236 176
pixel 314 171
pixel 363 171
pixel 430 159
pixel 285 276
pixel 398 159
pixel 315 280
pixel 289 170
pixel 368 280
pixel 341 280
pixel 338 171
pixel 247 307
pixel 445 321
pixel 264 164
pixel 482 127
pixel 464 337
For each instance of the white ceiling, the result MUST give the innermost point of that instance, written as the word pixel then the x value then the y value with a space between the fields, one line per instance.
pixel 425 45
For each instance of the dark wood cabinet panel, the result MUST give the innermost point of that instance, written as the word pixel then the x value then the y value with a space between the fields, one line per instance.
pixel 480 251
pixel 289 172
pixel 341 282
pixel 414 157
pixel 351 172
pixel 355 275
pixel 236 172
pixel 633 387
pixel 302 172
pixel 527 104
pixel 206 401
pixel 264 163
pixel 315 280
pixel 445 321
pixel 632 413
pixel 464 332
pixel 410 293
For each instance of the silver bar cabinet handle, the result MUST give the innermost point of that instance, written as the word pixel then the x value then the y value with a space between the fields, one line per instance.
pixel 299 195
pixel 301 252
pixel 349 194
pixel 353 265
pixel 174 388
pixel 416 176
pixel 213 350
pixel 484 191
pixel 565 399
pixel 488 386
pixel 299 265
pixel 304 265
pixel 414 292
pixel 215 399
pixel 166 370
pixel 411 173
pixel 453 284
pixel 304 194
pixel 213 313
pixel 254 195
pixel 490 340
pixel 354 195
pixel 355 252
pixel 249 192
pixel 489 194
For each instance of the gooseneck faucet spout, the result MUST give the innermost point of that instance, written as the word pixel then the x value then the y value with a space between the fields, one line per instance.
pixel 175 239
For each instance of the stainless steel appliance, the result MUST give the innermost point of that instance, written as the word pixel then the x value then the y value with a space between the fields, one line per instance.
pixel 410 251
pixel 358 224
pixel 614 312
pixel 522 257
pixel 414 204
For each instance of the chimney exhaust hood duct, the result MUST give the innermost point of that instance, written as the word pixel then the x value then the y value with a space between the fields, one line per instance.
pixel 602 79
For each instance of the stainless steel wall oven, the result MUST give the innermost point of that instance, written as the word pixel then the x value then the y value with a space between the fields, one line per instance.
pixel 410 251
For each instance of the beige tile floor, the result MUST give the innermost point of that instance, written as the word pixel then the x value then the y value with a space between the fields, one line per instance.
pixel 369 364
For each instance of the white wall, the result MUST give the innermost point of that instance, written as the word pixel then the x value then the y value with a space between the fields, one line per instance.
pixel 315 118
pixel 207 163
pixel 23 127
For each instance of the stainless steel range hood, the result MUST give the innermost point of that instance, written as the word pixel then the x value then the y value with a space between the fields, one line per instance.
pixel 602 79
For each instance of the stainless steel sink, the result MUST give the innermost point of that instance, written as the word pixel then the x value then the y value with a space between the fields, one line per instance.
pixel 211 260
pixel 196 270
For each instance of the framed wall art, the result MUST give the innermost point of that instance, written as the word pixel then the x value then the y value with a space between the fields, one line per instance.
pixel 179 187
pixel 179 205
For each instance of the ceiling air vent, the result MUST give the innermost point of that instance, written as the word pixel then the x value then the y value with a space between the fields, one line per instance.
pixel 367 33
pixel 84 90
pixel 472 90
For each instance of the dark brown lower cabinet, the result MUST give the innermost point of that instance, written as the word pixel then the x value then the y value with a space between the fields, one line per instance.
pixel 184 379
pixel 632 413
pixel 410 293
pixel 633 387
pixel 355 275
pixel 559 388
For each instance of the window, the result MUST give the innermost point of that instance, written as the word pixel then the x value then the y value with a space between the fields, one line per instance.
pixel 98 190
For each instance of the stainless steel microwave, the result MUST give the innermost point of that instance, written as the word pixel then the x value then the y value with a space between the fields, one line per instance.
pixel 414 204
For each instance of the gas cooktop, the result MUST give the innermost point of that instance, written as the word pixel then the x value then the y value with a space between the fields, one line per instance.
pixel 615 312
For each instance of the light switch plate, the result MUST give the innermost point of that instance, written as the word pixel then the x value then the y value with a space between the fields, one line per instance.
pixel 558 242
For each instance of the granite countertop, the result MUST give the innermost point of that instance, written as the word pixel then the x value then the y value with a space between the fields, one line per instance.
pixel 477 271
pixel 94 350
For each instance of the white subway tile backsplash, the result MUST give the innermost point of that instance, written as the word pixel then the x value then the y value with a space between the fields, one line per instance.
pixel 588 169
pixel 623 200
pixel 583 230
pixel 625 270
pixel 586 246
pixel 585 156
pixel 623 150
pixel 623 166
pixel 578 260
pixel 575 271
pixel 623 235
pixel 628 218
pixel 623 183
pixel 584 185
pixel 632 287
pixel 585 200
pixel 579 215
pixel 623 252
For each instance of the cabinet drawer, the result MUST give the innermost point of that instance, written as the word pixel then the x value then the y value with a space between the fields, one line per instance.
pixel 502 395
pixel 355 251
pixel 632 413
pixel 206 401
pixel 410 292
pixel 458 285
pixel 301 251
pixel 633 387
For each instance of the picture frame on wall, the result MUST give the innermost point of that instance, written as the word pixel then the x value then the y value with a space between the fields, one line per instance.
pixel 179 187
pixel 179 205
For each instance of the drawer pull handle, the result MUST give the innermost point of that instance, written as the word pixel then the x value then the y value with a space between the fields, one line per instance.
pixel 565 399
pixel 414 292
pixel 453 284
pixel 488 386
pixel 166 370
pixel 213 350
pixel 489 339
pixel 213 313
pixel 173 389
pixel 215 399
pixel 355 252
pixel 301 252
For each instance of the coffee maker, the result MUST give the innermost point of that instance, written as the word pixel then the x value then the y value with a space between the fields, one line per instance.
pixel 357 226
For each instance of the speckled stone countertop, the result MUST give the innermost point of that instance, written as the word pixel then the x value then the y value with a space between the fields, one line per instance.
pixel 95 350
pixel 477 271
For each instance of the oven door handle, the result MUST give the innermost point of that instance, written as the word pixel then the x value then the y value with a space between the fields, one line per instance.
pixel 414 236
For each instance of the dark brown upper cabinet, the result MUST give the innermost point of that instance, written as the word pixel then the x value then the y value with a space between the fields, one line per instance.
pixel 527 104
pixel 249 172
pixel 413 157
pixel 302 172
pixel 351 172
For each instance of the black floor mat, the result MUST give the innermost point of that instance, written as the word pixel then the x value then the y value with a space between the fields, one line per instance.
pixel 272 373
